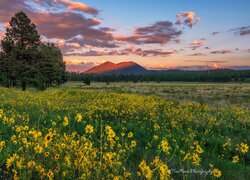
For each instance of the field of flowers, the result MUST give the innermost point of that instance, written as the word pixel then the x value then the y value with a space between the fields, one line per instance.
pixel 81 134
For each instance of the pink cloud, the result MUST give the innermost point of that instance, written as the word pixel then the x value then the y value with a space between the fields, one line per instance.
pixel 81 67
pixel 70 5
pixel 79 6
pixel 198 54
pixel 160 32
pixel 221 52
pixel 61 25
pixel 188 18
pixel 128 51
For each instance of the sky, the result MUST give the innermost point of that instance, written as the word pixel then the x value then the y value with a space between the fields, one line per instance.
pixel 160 34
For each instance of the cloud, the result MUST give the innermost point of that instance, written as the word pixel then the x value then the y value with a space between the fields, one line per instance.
pixel 203 39
pixel 242 31
pixel 160 32
pixel 74 67
pixel 208 61
pixel 215 33
pixel 127 51
pixel 9 8
pixel 196 43
pixel 70 5
pixel 198 54
pixel 64 24
pixel 221 52
pixel 187 18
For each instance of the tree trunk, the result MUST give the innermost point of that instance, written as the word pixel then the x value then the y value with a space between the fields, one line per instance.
pixel 23 84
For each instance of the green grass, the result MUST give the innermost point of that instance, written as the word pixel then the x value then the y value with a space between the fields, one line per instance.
pixel 153 120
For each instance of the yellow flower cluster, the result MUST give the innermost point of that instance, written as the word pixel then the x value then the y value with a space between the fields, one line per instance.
pixel 74 134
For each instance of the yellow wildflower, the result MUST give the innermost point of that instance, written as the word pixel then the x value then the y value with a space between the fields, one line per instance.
pixel 244 148
pixel 65 121
pixel 50 174
pixel 235 159
pixel 31 164
pixel 38 149
pixel 130 135
pixel 133 144
pixel 11 160
pixel 78 117
pixel 164 146
pixel 217 173
pixel 89 129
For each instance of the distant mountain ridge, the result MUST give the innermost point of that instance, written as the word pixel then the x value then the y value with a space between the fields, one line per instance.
pixel 132 68
pixel 109 68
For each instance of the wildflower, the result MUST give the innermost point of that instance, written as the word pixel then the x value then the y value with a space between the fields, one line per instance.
pixel 156 127
pixel 31 164
pixel 2 144
pixel 196 159
pixel 48 139
pixel 57 156
pixel 19 163
pixel 89 129
pixel 53 123
pixel 46 154
pixel 133 144
pixel 164 146
pixel 130 135
pixel 217 173
pixel 198 149
pixel 187 156
pixel 244 148
pixel 15 174
pixel 156 137
pixel 79 117
pixel 38 149
pixel 67 160
pixel 65 121
pixel 11 160
pixel 235 159
pixel 146 171
pixel 50 174
pixel 12 120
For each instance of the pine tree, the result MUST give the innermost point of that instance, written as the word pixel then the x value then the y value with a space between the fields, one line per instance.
pixel 25 59
pixel 20 46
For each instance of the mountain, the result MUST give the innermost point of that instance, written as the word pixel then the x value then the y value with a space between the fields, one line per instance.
pixel 109 68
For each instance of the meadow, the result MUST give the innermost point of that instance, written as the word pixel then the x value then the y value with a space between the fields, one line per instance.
pixel 126 131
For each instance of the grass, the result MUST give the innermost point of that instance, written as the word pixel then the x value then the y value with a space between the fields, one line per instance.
pixel 216 94
pixel 110 132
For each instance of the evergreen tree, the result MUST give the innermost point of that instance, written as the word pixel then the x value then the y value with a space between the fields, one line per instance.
pixel 25 59
pixel 20 46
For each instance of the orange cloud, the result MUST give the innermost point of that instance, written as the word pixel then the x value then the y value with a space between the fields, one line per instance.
pixel 196 43
pixel 188 18
pixel 78 6
pixel 71 5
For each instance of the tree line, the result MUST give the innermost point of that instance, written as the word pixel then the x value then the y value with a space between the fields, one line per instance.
pixel 219 75
pixel 26 60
